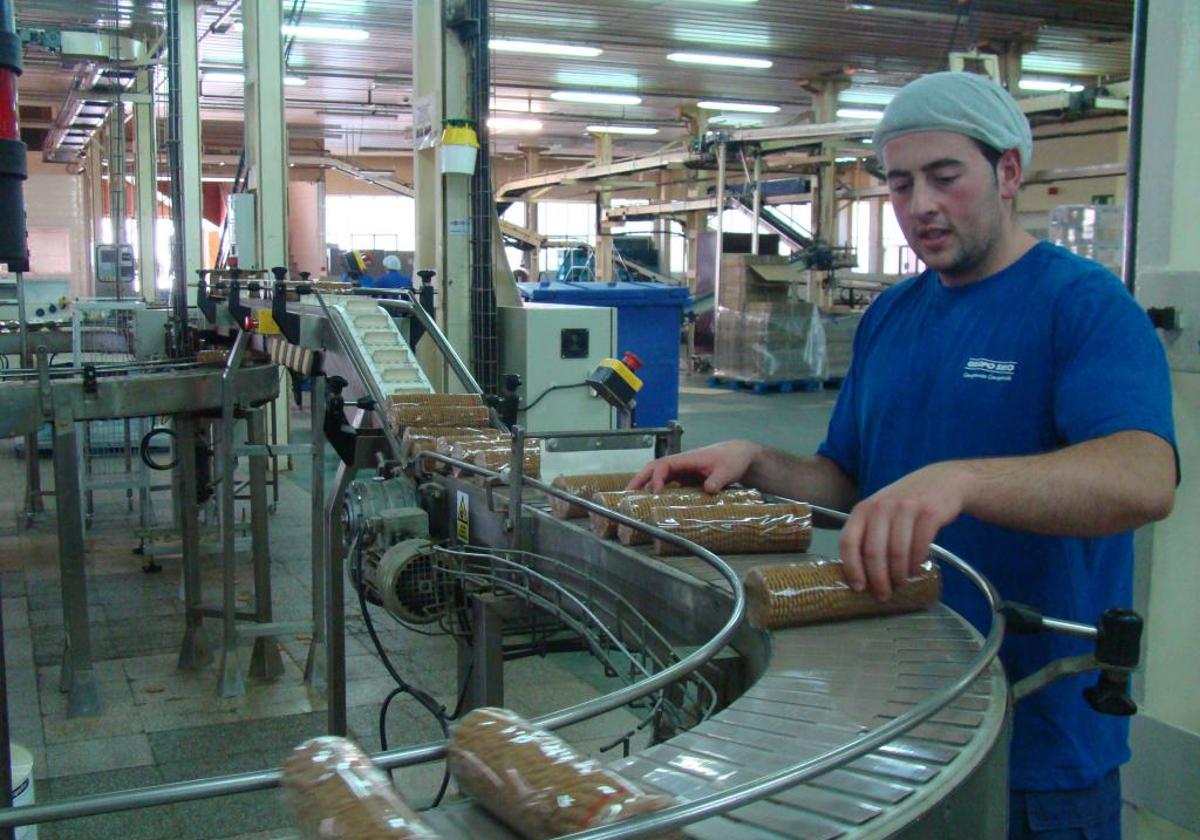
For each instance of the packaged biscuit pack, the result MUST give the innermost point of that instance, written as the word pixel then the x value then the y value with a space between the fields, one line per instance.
pixel 334 792
pixel 535 782
pixel 736 527
pixel 815 590
pixel 585 486
pixel 640 508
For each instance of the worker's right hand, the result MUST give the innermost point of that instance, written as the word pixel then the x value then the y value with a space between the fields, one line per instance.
pixel 714 467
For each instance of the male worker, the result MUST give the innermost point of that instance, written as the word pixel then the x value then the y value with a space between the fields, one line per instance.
pixel 393 278
pixel 1013 402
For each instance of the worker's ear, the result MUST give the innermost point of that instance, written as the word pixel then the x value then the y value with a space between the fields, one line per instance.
pixel 1009 174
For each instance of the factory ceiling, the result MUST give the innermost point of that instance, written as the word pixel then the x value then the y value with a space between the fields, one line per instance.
pixel 353 97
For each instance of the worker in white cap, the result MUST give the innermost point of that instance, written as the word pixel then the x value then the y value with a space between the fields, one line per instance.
pixel 393 278
pixel 1011 402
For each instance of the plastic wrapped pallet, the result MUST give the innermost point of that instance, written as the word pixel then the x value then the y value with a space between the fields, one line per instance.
pixel 736 527
pixel 334 792
pixel 770 342
pixel 585 486
pixel 791 594
pixel 403 415
pixel 537 783
pixel 640 508
pixel 500 457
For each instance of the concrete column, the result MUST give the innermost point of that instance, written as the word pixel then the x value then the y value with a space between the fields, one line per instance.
pixel 662 224
pixel 440 92
pixel 306 229
pixel 1165 735
pixel 875 264
pixel 95 198
pixel 266 130
pixel 145 141
pixel 825 104
pixel 189 146
pixel 604 243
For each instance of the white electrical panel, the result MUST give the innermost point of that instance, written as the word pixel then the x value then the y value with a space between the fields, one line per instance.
pixel 553 348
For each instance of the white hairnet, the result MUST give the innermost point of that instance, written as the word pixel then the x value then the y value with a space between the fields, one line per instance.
pixel 391 262
pixel 965 103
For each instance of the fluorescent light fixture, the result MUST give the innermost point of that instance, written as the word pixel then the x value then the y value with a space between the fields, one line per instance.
pixel 867 95
pixel 712 59
pixel 743 107
pixel 1050 85
pixel 858 114
pixel 306 32
pixel 514 124
pixel 237 78
pixel 622 129
pixel 543 48
pixel 884 8
pixel 596 98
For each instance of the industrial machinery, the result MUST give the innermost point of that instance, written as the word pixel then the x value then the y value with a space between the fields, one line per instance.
pixel 878 727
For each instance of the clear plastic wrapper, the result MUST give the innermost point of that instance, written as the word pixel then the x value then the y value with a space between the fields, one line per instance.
pixel 736 527
pixel 815 590
pixel 334 792
pixel 435 399
pixel 640 507
pixel 499 457
pixel 601 525
pixel 585 486
pixel 770 342
pixel 537 783
pixel 417 439
pixel 403 415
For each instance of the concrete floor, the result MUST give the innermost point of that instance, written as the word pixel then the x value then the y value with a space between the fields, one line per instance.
pixel 161 725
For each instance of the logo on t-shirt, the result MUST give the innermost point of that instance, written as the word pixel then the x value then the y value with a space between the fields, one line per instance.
pixel 989 369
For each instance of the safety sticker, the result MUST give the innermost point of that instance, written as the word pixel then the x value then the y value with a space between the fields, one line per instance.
pixel 464 516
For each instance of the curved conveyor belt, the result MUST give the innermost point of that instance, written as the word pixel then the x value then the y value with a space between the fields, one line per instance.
pixel 857 729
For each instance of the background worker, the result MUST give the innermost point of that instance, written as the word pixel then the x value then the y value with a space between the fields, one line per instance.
pixel 1011 402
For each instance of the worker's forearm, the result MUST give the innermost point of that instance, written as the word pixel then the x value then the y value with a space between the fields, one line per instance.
pixel 813 479
pixel 1091 489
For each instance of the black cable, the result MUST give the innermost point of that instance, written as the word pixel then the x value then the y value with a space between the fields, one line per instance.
pixel 402 686
pixel 542 395
pixel 144 448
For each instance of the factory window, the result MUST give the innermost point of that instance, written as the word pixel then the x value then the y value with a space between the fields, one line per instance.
pixel 898 257
pixel 573 220
pixel 371 222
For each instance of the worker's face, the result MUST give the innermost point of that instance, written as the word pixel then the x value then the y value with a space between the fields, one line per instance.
pixel 951 203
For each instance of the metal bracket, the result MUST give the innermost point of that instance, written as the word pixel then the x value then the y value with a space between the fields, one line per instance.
pixel 204 303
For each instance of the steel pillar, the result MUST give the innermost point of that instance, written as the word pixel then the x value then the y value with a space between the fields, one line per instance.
pixel 265 660
pixel 194 653
pixel 145 142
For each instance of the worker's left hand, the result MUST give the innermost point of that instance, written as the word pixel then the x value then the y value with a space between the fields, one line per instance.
pixel 888 534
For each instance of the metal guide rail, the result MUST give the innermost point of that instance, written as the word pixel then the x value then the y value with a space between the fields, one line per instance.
pixel 707 784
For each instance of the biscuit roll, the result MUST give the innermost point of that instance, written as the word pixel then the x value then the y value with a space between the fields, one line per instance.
pixel 791 594
pixel 334 792
pixel 499 457
pixel 641 507
pixel 736 527
pixel 535 782
pixel 417 439
pixel 585 486
pixel 405 414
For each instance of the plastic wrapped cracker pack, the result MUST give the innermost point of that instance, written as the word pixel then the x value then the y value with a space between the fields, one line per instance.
pixel 538 784
pixel 500 457
pixel 736 527
pixel 641 508
pixel 815 590
pixel 334 792
pixel 585 486
pixel 403 415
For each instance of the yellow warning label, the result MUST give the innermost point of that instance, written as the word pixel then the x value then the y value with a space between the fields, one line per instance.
pixel 463 517
pixel 266 323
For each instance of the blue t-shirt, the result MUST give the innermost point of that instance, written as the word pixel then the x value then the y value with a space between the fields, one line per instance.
pixel 1049 352
pixel 393 280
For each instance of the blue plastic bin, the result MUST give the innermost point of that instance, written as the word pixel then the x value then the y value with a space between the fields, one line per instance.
pixel 649 316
